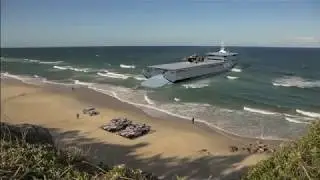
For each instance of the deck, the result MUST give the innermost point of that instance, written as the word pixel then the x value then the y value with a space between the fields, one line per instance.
pixel 185 64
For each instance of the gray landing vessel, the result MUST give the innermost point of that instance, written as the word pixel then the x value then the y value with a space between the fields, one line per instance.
pixel 191 67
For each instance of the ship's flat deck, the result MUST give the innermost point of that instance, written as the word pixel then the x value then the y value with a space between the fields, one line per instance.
pixel 185 64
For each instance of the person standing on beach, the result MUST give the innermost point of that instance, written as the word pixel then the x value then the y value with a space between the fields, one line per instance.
pixel 192 120
pixel 78 115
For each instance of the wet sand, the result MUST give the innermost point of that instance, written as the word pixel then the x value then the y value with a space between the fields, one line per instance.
pixel 174 147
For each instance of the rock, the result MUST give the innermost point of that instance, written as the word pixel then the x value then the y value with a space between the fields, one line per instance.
pixel 233 148
pixel 32 134
pixel 260 150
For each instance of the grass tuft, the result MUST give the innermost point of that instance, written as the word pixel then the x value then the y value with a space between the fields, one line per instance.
pixel 295 160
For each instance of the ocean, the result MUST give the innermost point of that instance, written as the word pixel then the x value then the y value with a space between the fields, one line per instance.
pixel 273 93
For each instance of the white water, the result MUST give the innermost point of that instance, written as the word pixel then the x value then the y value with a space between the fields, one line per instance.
pixel 148 100
pixel 196 85
pixel 309 114
pixel 293 81
pixel 236 70
pixel 71 68
pixel 30 61
pixel 127 66
pixel 260 111
pixel 176 99
pixel 113 75
pixel 232 77
pixel 82 83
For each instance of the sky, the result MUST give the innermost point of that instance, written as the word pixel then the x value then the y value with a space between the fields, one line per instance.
pixel 53 23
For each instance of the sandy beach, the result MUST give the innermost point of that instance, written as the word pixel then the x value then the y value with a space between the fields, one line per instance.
pixel 174 147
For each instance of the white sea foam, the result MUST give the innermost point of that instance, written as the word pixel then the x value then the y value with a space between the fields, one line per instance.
pixel 71 68
pixel 176 99
pixel 82 83
pixel 298 119
pixel 309 114
pixel 139 78
pixel 236 70
pixel 232 77
pixel 50 62
pixel 113 75
pixel 293 81
pixel 295 120
pixel 35 79
pixel 195 85
pixel 148 100
pixel 260 111
pixel 34 61
pixel 127 66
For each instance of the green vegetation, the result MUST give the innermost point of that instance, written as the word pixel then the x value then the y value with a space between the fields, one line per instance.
pixel 21 159
pixel 296 160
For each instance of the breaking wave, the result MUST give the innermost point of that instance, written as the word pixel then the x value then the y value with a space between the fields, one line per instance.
pixel 298 119
pixel 293 120
pixel 293 81
pixel 232 77
pixel 82 83
pixel 50 62
pixel 127 66
pixel 149 101
pixel 35 79
pixel 35 61
pixel 309 114
pixel 113 75
pixel 71 68
pixel 176 99
pixel 260 111
pixel 140 78
pixel 236 70
pixel 196 85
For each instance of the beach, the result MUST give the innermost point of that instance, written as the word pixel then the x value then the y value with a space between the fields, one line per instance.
pixel 173 147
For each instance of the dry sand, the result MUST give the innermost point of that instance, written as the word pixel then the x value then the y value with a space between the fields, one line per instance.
pixel 174 147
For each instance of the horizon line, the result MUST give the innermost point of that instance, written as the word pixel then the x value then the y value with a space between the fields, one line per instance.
pixel 83 46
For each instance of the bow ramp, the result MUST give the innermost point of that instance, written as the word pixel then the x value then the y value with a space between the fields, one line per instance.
pixel 155 81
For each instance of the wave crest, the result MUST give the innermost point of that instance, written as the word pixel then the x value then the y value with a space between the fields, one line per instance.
pixel 259 111
pixel 127 66
pixel 293 81
pixel 148 100
pixel 309 114
pixel 232 77
pixel 236 70
pixel 196 85
pixel 34 61
pixel 71 68
pixel 113 75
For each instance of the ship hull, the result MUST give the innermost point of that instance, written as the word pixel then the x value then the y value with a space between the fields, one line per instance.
pixel 193 72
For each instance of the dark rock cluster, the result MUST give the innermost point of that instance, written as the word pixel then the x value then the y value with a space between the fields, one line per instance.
pixel 257 147
pixel 126 128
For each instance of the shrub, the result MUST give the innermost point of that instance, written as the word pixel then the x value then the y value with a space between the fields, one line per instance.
pixel 21 159
pixel 299 160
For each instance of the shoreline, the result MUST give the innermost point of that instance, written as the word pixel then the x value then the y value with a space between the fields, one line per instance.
pixel 162 115
pixel 173 147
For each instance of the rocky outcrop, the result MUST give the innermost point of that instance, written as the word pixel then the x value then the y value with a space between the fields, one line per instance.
pixel 32 134
pixel 258 147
